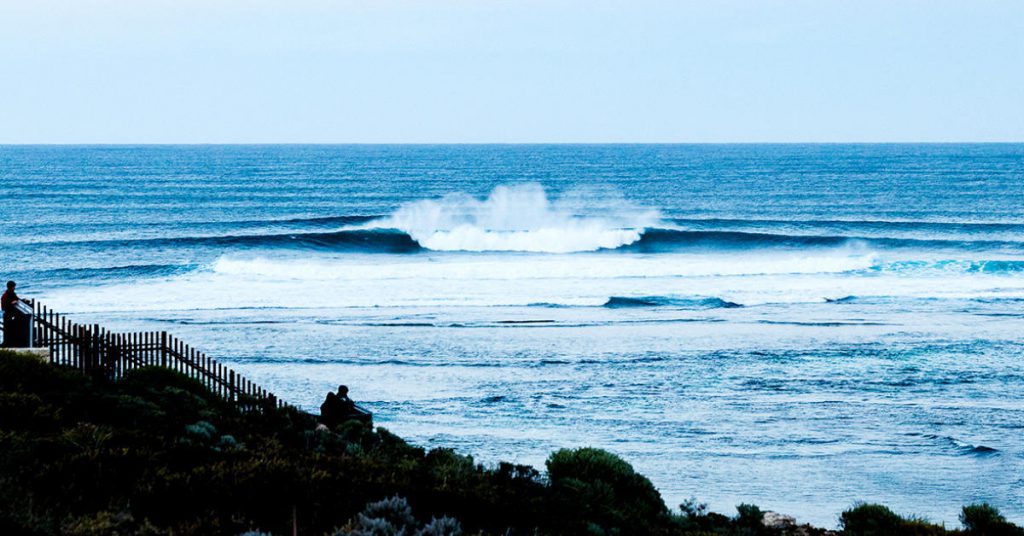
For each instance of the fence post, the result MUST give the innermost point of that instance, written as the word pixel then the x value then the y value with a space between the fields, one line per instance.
pixel 97 351
pixel 271 403
pixel 231 382
pixel 163 349
pixel 84 351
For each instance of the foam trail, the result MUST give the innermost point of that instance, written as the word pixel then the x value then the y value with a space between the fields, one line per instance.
pixel 518 268
pixel 521 218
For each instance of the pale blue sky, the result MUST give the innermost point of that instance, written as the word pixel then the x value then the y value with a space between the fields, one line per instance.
pixel 121 71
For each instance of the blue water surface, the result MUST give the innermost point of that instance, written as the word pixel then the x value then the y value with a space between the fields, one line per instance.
pixel 796 326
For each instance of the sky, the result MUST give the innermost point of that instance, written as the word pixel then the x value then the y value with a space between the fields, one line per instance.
pixel 481 71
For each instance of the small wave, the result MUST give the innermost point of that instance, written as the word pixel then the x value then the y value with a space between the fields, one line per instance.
pixel 844 299
pixel 77 275
pixel 964 447
pixel 820 324
pixel 616 302
pixel 190 322
pixel 370 241
pixel 660 239
pixel 955 266
pixel 296 222
pixel 909 224
pixel 998 315
pixel 980 450
pixel 321 220
pixel 400 324
pixel 622 302
pixel 365 240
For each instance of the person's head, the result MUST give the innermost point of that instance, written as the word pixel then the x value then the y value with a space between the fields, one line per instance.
pixel 11 285
pixel 342 390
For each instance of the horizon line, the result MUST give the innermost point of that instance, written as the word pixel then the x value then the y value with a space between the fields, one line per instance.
pixel 502 143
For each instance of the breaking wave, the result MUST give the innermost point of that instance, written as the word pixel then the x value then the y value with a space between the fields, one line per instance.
pixel 621 302
pixel 522 218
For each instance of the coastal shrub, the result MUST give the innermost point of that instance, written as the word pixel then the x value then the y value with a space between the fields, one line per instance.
pixel 692 508
pixel 919 526
pixel 749 520
pixel 201 430
pixel 695 519
pixel 391 517
pixel 447 467
pixel 602 494
pixel 866 519
pixel 508 472
pixel 748 515
pixel 227 442
pixel 394 510
pixel 25 410
pixel 983 518
pixel 394 517
pixel 441 526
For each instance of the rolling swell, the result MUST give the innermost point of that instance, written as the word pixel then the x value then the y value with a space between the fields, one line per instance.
pixel 362 240
pixel 664 240
pixel 59 276
pixel 651 240
pixel 624 302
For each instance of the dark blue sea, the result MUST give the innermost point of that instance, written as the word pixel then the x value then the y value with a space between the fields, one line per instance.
pixel 795 326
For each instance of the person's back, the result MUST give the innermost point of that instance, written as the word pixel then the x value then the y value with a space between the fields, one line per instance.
pixel 9 297
pixel 329 409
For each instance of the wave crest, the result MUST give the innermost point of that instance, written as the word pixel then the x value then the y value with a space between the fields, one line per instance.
pixel 623 302
pixel 522 218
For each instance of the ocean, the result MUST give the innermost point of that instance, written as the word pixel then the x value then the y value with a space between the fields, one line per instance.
pixel 795 326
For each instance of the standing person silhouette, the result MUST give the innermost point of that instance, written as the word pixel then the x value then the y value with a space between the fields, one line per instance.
pixel 9 298
pixel 7 302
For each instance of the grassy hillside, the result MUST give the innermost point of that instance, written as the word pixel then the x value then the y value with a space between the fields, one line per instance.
pixel 156 453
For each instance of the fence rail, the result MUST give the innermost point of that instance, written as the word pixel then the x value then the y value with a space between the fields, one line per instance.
pixel 94 349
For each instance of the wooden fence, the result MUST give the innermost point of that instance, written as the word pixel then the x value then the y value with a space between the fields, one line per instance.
pixel 96 350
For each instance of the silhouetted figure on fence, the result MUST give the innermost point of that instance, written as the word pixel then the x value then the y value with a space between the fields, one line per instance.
pixel 17 326
pixel 338 408
pixel 9 298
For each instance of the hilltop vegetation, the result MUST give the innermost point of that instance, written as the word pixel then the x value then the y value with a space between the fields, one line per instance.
pixel 156 453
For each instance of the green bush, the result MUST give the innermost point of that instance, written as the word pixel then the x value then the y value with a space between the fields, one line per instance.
pixel 876 520
pixel 870 519
pixel 980 517
pixel 602 494
pixel 983 518
pixel 749 515
pixel 694 519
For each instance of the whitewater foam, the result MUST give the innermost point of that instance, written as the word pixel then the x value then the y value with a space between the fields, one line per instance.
pixel 516 267
pixel 521 218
